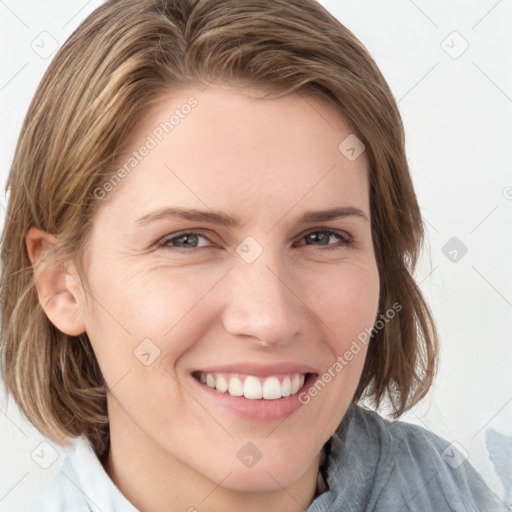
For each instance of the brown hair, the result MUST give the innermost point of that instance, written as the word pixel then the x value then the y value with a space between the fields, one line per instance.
pixel 98 86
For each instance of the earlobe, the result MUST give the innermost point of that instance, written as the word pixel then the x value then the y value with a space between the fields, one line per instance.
pixel 58 285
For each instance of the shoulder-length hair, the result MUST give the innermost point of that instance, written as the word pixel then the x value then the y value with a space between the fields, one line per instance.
pixel 124 56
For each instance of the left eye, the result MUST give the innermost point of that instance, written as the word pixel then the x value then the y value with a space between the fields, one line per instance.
pixel 190 240
pixel 324 236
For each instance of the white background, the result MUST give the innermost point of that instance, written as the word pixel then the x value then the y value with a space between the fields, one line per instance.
pixel 457 112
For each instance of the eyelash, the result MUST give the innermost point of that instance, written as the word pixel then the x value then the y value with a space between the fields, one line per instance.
pixel 344 238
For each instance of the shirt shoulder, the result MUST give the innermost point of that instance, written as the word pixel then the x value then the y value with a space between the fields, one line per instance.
pixel 427 472
pixel 61 493
pixel 81 485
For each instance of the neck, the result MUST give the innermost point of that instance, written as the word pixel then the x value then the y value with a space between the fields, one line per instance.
pixel 154 481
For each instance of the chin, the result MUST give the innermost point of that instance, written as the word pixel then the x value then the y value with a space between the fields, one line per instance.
pixel 268 478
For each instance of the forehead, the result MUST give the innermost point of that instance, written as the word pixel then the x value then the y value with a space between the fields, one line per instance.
pixel 225 149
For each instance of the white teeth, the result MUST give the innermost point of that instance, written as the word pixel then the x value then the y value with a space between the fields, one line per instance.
pixel 286 387
pixel 297 383
pixel 271 388
pixel 236 387
pixel 254 388
pixel 221 384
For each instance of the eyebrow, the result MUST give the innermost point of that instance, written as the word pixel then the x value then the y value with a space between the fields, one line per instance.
pixel 221 218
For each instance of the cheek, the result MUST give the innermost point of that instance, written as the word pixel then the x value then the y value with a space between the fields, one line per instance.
pixel 348 303
pixel 348 306
pixel 145 312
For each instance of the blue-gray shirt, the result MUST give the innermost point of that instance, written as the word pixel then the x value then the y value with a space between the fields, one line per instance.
pixel 371 465
pixel 381 466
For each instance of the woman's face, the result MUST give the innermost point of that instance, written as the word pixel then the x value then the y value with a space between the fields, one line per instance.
pixel 213 264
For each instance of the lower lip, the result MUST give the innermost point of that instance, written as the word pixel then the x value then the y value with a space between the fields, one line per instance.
pixel 257 410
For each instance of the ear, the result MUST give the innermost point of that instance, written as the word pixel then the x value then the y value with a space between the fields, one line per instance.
pixel 58 285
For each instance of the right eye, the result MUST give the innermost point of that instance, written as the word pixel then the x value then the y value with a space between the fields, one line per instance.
pixel 183 240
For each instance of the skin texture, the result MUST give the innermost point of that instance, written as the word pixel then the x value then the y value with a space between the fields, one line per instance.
pixel 265 162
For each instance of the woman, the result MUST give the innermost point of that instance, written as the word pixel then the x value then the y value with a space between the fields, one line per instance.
pixel 207 265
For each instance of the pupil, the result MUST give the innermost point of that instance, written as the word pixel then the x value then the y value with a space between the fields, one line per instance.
pixel 322 237
pixel 185 239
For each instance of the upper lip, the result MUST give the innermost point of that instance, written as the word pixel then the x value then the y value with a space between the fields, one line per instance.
pixel 258 369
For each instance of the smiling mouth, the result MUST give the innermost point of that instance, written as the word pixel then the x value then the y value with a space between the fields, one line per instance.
pixel 254 388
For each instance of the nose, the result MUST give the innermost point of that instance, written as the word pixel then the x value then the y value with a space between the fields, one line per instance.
pixel 261 303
